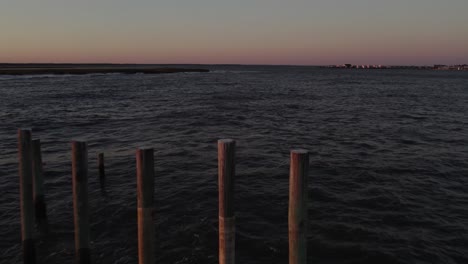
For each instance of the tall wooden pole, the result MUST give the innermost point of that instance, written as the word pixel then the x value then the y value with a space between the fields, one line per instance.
pixel 38 180
pixel 226 174
pixel 297 217
pixel 80 201
pixel 102 174
pixel 145 194
pixel 26 195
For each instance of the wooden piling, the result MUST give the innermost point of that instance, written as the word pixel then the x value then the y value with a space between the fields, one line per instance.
pixel 80 202
pixel 226 174
pixel 297 216
pixel 38 182
pixel 26 195
pixel 102 175
pixel 145 194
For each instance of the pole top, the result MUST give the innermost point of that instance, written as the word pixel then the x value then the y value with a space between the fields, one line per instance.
pixel 24 134
pixel 226 141
pixel 78 141
pixel 299 151
pixel 145 149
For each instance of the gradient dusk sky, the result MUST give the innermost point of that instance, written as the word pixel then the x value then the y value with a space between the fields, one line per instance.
pixel 302 32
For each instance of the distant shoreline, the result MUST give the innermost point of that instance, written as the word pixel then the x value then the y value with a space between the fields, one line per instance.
pixel 80 69
pixel 439 67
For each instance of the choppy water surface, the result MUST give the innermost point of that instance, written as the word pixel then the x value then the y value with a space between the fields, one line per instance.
pixel 388 169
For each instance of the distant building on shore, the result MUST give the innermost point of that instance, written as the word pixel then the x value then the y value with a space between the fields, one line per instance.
pixel 462 67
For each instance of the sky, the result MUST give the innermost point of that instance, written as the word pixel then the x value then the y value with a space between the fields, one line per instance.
pixel 292 32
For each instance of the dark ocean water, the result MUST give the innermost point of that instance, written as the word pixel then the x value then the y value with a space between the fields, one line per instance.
pixel 388 168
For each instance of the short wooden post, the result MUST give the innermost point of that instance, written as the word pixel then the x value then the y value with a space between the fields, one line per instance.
pixel 145 194
pixel 26 195
pixel 80 201
pixel 226 174
pixel 297 217
pixel 38 180
pixel 102 175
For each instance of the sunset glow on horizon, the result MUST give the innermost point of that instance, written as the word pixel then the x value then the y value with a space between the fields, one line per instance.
pixel 297 32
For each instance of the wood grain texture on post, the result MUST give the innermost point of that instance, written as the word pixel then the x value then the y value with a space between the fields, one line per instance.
pixel 145 194
pixel 80 201
pixel 26 195
pixel 38 180
pixel 102 174
pixel 297 216
pixel 226 174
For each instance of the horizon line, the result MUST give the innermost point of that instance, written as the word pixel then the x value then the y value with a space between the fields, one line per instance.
pixel 215 64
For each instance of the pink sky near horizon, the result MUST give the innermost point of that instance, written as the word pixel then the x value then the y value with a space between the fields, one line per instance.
pixel 413 32
pixel 325 56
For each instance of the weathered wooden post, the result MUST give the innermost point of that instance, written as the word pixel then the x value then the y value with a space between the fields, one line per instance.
pixel 26 195
pixel 80 201
pixel 102 175
pixel 38 181
pixel 145 194
pixel 226 174
pixel 297 217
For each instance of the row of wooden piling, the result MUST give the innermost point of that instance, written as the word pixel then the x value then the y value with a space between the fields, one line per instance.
pixel 33 202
